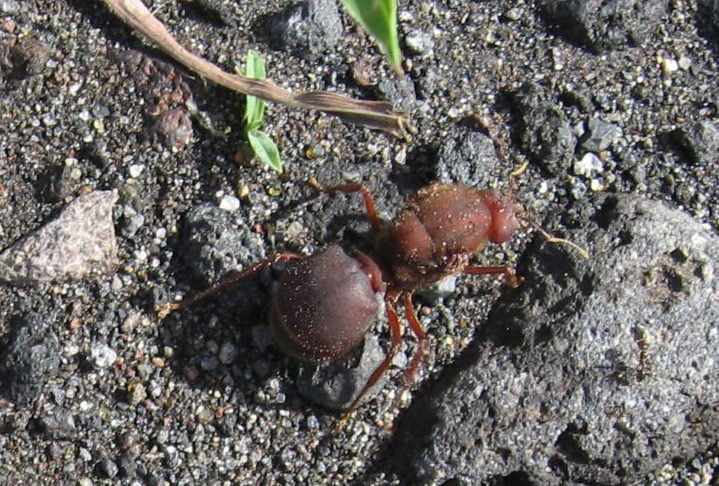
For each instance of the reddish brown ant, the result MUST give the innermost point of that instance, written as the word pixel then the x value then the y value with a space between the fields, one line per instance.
pixel 325 303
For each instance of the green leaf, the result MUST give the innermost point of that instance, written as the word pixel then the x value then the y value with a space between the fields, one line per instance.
pixel 265 149
pixel 379 19
pixel 255 109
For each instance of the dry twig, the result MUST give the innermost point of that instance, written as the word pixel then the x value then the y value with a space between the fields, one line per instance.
pixel 373 114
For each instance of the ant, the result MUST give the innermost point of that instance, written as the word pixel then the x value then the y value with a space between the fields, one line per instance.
pixel 325 303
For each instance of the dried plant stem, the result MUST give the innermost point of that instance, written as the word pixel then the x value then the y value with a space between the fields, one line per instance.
pixel 374 114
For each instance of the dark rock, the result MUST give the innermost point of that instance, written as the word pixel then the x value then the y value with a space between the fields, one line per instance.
pixel 26 57
pixel 470 160
pixel 714 5
pixel 591 372
pixel 578 98
pixel 108 467
pixel 399 91
pixel 62 182
pixel 214 11
pixel 308 29
pixel 699 141
pixel 30 359
pixel 543 130
pixel 214 244
pixel 58 423
pixel 337 383
pixel 600 135
pixel 604 25
pixel 128 466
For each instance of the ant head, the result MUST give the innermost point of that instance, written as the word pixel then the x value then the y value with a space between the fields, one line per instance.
pixel 506 217
pixel 508 214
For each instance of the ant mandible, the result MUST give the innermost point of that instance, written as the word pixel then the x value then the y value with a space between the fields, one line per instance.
pixel 325 303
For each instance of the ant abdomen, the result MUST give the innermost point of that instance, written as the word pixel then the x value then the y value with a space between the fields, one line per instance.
pixel 324 305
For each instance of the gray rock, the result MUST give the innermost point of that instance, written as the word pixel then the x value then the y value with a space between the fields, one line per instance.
pixel 544 132
pixel 215 244
pixel 600 135
pixel 469 160
pixel 58 423
pixel 337 383
pixel 80 241
pixel 30 359
pixel 132 221
pixel 699 141
pixel 308 29
pixel 399 91
pixel 603 25
pixel 102 356
pixel 109 468
pixel 419 42
pixel 591 372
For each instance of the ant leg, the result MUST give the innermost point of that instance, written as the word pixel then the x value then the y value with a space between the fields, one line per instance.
pixel 163 310
pixel 396 339
pixel 508 272
pixel 348 189
pixel 416 327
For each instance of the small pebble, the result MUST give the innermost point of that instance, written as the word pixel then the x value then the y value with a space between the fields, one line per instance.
pixel 669 66
pixel 109 468
pixel 102 356
pixel 228 353
pixel 312 422
pixel 229 203
pixel 209 363
pixel 514 13
pixel 588 165
pixel 137 393
pixel 135 170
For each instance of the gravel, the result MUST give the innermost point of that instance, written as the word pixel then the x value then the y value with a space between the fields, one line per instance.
pixel 606 100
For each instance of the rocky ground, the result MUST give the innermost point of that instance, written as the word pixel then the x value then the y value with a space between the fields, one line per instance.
pixel 599 371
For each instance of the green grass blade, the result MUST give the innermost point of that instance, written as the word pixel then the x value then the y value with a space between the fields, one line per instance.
pixel 379 19
pixel 255 109
pixel 265 149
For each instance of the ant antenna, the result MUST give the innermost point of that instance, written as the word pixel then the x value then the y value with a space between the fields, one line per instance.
pixel 555 239
pixel 513 176
pixel 517 173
